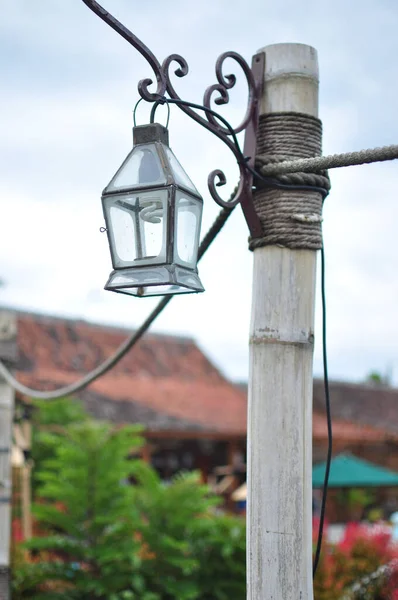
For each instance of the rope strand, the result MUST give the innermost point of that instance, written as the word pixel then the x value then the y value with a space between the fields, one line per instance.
pixel 288 135
pixel 321 163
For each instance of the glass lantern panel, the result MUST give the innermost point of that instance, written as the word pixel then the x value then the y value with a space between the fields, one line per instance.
pixel 155 290
pixel 180 177
pixel 137 227
pixel 188 212
pixel 141 167
pixel 154 281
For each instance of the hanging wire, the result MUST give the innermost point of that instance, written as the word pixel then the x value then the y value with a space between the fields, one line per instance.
pixel 272 183
pixel 135 111
pixel 153 111
pixel 132 340
pixel 267 181
pixel 217 225
pixel 110 362
pixel 328 417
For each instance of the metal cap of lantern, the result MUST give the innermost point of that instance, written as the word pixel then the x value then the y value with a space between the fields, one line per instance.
pixel 153 216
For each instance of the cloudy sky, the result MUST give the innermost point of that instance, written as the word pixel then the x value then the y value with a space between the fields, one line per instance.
pixel 68 87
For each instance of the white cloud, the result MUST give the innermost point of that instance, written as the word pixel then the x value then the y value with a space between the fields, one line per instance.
pixel 69 86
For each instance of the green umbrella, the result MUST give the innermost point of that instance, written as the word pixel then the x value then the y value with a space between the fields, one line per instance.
pixel 347 470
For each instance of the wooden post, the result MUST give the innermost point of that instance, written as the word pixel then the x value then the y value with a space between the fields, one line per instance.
pixel 23 442
pixel 280 384
pixel 7 352
pixel 26 497
pixel 232 451
pixel 26 481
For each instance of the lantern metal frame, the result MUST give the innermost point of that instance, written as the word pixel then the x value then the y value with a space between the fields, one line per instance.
pixel 170 268
pixel 210 120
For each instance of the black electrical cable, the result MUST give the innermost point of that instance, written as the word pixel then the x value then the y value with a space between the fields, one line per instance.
pixel 328 417
pixel 267 181
pixel 110 362
pixel 272 183
pixel 206 109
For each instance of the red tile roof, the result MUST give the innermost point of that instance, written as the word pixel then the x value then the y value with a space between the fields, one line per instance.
pixel 367 405
pixel 347 431
pixel 166 382
pixel 360 413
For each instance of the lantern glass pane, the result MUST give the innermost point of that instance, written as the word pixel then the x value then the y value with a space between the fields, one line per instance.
pixel 155 290
pixel 162 290
pixel 158 280
pixel 137 227
pixel 188 212
pixel 179 175
pixel 123 226
pixel 141 167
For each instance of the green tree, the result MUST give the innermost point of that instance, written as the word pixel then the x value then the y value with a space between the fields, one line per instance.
pixel 89 547
pixel 169 517
pixel 377 378
pixel 51 416
pixel 110 529
pixel 220 547
pixel 192 553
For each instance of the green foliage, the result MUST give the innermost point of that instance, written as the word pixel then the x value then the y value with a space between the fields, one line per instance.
pixel 194 553
pixel 86 514
pixel 104 539
pixel 220 548
pixel 51 417
pixel 356 497
pixel 377 378
pixel 63 412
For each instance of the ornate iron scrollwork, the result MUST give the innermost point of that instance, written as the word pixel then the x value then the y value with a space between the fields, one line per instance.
pixel 254 76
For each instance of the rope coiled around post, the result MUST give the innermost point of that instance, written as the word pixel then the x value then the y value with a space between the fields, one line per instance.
pixel 289 217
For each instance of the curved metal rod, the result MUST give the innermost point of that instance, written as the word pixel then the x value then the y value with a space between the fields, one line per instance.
pixel 132 39
pixel 213 121
pixel 233 145
pixel 237 195
pixel 181 71
pixel 225 83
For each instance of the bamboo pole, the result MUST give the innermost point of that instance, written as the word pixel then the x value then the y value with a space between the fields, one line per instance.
pixel 280 382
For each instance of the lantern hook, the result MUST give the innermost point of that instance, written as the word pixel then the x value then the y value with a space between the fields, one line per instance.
pixel 164 100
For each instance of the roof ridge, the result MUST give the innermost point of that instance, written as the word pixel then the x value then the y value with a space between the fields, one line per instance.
pixel 349 384
pixel 358 384
pixel 94 324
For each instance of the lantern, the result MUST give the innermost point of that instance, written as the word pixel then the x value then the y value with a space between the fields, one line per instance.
pixel 153 215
